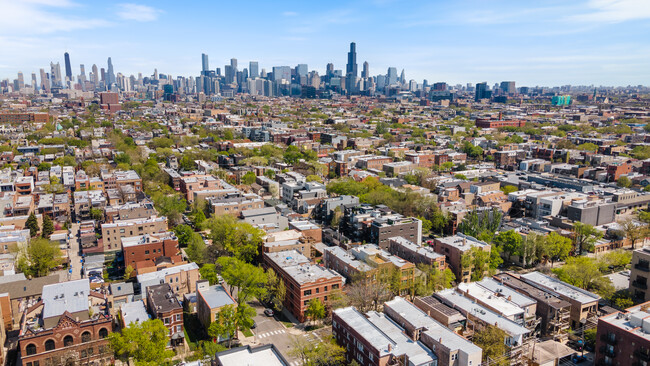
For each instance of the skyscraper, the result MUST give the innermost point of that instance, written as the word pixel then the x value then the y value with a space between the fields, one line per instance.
pixel 253 69
pixel 55 74
pixel 205 66
pixel 233 64
pixel 351 69
pixel 68 67
pixel 45 84
pixel 402 77
pixel 95 78
pixel 366 71
pixel 110 74
pixel 391 78
pixel 482 91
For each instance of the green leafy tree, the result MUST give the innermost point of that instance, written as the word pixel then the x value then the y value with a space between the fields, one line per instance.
pixel 32 225
pixel 588 146
pixel 315 310
pixel 224 325
pixel 491 340
pixel 170 205
pixel 183 233
pixel 559 247
pixel 276 290
pixel 585 237
pixel 325 353
pixel 624 182
pixel 509 189
pixel 97 214
pixel 314 178
pixel 634 231
pixel 145 342
pixel 128 272
pixel 196 249
pixel 509 242
pixel 580 271
pixel 231 236
pixel 248 280
pixel 48 227
pixel 209 272
pixel 248 178
pixel 38 257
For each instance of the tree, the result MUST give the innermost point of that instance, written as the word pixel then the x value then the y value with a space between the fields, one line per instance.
pixel 580 271
pixel 315 310
pixel 196 248
pixel 145 342
pixel 248 178
pixel 314 178
pixel 616 259
pixel 491 340
pixel 325 353
pixel 224 325
pixel 32 225
pixel 184 234
pixel 275 289
pixel 96 214
pixel 235 237
pixel 128 272
pixel 634 231
pixel 248 280
pixel 585 236
pixel 170 205
pixel 624 182
pixel 529 248
pixel 367 294
pixel 509 189
pixel 209 272
pixel 48 227
pixel 559 247
pixel 38 257
pixel 509 242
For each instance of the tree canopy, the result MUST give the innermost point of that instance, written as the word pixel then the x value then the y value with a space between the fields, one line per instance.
pixel 146 342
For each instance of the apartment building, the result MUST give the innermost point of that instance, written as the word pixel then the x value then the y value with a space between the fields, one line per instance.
pixel 118 179
pixel 234 203
pixel 149 247
pixel 453 248
pixel 385 262
pixel 553 312
pixel 639 274
pixel 339 260
pixel 416 254
pixel 209 301
pixel 112 233
pixel 304 281
pixel 584 304
pixel 182 278
pixel 163 304
pixel 623 338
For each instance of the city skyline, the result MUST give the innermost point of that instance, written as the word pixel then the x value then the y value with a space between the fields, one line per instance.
pixel 590 43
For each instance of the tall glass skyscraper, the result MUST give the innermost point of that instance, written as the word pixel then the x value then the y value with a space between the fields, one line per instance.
pixel 205 66
pixel 253 70
pixel 351 69
pixel 68 67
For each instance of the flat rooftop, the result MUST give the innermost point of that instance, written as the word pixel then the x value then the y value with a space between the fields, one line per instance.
pixel 216 296
pixel 564 289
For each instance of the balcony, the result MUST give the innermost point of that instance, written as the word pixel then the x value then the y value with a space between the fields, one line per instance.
pixel 641 267
pixel 608 339
pixel 604 350
pixel 642 354
pixel 642 286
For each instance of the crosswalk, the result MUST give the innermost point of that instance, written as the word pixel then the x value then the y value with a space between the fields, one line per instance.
pixel 295 363
pixel 271 333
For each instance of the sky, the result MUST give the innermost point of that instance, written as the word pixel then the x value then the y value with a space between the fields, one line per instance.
pixel 535 43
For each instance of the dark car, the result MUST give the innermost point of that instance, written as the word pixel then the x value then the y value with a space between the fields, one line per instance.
pixel 254 325
pixel 268 312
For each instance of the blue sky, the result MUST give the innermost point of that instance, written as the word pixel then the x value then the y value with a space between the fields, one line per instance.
pixel 583 42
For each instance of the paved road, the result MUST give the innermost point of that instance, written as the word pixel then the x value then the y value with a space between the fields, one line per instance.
pixel 75 259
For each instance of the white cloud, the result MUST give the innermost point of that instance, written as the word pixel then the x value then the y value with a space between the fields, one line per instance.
pixel 290 14
pixel 41 17
pixel 139 13
pixel 614 11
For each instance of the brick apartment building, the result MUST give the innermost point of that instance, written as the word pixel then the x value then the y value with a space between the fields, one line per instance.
pixel 623 338
pixel 149 247
pixel 639 274
pixel 112 233
pixel 65 332
pixel 16 118
pixel 304 281
pixel 496 123
pixel 416 254
pixel 453 248
pixel 163 304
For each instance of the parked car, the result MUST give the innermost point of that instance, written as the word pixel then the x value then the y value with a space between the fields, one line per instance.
pixel 268 312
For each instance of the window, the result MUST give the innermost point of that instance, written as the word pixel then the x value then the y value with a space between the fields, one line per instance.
pixel 30 349
pixel 146 252
pixel 167 321
pixel 317 290
pixel 325 288
pixel 103 333
pixel 49 345
pixel 334 287
pixel 178 329
pixel 68 341
pixel 306 302
pixel 83 353
pixel 85 336
pixel 90 351
pixel 178 317
pixel 307 292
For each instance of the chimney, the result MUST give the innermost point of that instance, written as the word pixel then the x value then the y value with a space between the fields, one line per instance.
pixel 390 347
pixel 509 297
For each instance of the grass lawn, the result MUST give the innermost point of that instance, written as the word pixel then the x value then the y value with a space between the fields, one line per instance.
pixel 247 332
pixel 287 324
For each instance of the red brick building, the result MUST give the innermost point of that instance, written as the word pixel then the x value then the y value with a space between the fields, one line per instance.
pixel 495 123
pixel 164 305
pixel 304 281
pixel 615 171
pixel 622 339
pixel 24 117
pixel 149 247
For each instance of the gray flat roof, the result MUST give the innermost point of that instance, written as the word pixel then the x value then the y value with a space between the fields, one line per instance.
pixel 266 355
pixel 560 287
pixel 216 296
pixel 134 312
pixel 369 331
pixel 71 296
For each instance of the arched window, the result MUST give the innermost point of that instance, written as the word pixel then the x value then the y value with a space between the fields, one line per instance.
pixel 49 345
pixel 68 341
pixel 103 333
pixel 30 349
pixel 85 337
